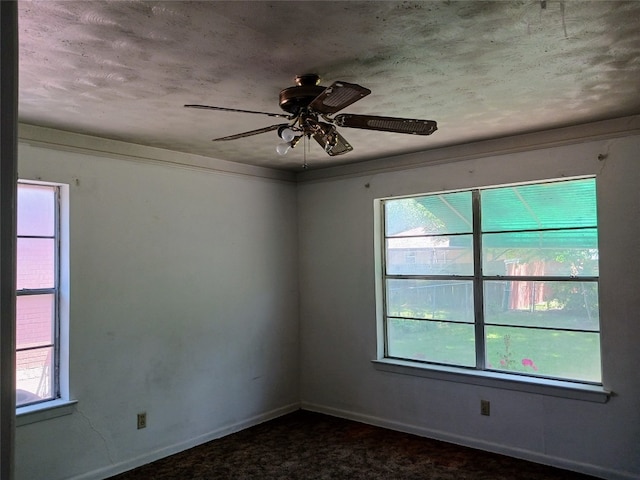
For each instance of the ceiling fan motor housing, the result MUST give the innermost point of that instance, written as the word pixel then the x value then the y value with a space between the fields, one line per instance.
pixel 294 99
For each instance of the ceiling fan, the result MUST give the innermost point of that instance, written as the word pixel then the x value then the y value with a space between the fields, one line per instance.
pixel 310 107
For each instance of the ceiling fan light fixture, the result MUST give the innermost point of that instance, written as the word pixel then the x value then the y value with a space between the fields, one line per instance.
pixel 330 140
pixel 286 134
pixel 283 148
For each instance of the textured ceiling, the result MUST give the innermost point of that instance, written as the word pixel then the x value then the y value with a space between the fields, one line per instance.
pixel 124 69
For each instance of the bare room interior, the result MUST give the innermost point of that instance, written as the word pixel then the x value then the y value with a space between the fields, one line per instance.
pixel 221 172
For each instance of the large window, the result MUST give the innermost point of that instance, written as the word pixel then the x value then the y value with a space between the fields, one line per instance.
pixel 498 279
pixel 37 319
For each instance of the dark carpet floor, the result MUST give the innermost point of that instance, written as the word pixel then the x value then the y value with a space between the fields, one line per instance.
pixel 310 446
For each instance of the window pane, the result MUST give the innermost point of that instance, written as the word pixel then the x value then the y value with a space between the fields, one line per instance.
pixel 440 342
pixel 34 320
pixel 434 214
pixel 430 255
pixel 546 205
pixel 569 253
pixel 36 210
pixel 437 300
pixel 570 355
pixel 34 376
pixel 36 263
pixel 571 305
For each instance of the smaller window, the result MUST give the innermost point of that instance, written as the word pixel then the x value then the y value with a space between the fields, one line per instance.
pixel 37 295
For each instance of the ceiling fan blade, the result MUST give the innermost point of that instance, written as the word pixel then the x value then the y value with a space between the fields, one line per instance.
pixel 331 141
pixel 252 132
pixel 208 107
pixel 387 124
pixel 338 96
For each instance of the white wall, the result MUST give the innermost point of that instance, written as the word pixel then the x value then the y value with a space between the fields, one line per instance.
pixel 338 317
pixel 184 304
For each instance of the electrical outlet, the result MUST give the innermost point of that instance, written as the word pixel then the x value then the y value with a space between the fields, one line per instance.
pixel 142 420
pixel 485 407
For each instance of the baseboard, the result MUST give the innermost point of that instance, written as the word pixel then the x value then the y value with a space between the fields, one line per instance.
pixel 529 455
pixel 149 457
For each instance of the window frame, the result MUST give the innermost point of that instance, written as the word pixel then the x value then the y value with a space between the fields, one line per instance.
pixel 59 403
pixel 478 374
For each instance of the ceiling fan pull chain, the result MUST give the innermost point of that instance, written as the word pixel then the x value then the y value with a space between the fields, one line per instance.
pixel 304 152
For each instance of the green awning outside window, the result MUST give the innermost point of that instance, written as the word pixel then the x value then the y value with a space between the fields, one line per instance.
pixel 549 215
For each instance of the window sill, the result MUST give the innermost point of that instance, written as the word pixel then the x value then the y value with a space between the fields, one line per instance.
pixel 555 388
pixel 43 411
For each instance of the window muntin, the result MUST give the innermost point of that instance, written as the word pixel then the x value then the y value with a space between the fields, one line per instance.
pixel 37 296
pixel 527 304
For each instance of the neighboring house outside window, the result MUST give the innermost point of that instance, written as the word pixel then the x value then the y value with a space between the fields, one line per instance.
pixel 501 279
pixel 37 300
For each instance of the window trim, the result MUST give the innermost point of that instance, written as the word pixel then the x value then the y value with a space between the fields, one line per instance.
pixel 46 410
pixel 586 391
pixel 504 381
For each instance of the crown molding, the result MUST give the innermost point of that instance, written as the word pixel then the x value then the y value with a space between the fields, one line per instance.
pixel 75 142
pixel 602 130
pixel 81 143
